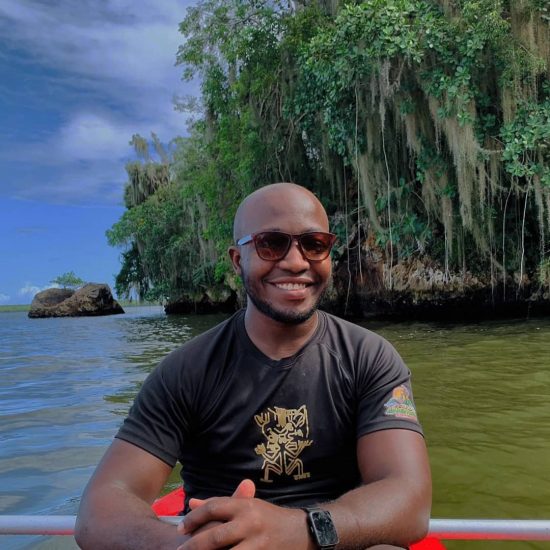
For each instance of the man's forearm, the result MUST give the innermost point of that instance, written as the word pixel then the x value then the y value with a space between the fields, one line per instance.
pixel 390 511
pixel 113 519
pixel 394 510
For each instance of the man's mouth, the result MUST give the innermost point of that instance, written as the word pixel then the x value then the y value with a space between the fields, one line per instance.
pixel 291 286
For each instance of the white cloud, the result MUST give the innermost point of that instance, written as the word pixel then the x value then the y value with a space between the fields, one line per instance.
pixel 134 44
pixel 123 53
pixel 108 69
pixel 30 290
pixel 84 160
pixel 89 136
pixel 101 136
pixel 86 136
pixel 4 298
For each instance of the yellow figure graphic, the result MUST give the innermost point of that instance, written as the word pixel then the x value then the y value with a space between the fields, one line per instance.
pixel 400 394
pixel 286 432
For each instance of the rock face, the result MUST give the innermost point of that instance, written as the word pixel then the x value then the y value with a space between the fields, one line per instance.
pixel 211 301
pixel 421 289
pixel 90 300
pixel 370 285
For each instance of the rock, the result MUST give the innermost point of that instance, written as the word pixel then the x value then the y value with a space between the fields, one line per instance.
pixel 90 300
pixel 418 287
pixel 212 300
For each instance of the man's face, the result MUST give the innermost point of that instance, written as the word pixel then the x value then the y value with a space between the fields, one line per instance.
pixel 290 289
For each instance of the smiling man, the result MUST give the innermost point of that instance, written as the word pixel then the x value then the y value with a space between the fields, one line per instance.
pixel 288 296
pixel 315 414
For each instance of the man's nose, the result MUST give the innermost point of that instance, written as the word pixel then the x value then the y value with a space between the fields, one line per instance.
pixel 294 259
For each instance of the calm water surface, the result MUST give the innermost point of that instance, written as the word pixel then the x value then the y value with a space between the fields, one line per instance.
pixel 481 390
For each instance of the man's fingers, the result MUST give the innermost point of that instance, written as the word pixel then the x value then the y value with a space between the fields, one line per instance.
pixel 245 489
pixel 218 536
pixel 209 525
pixel 223 509
pixel 213 509
pixel 207 513
pixel 196 502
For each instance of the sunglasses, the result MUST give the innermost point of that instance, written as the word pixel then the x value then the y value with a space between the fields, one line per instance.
pixel 273 246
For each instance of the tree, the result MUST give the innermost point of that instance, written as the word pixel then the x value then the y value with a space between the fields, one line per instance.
pixel 424 128
pixel 68 280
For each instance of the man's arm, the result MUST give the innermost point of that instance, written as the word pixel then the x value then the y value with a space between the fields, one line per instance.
pixel 115 511
pixel 392 506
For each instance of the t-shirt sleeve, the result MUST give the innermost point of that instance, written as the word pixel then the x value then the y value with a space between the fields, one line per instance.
pixel 157 421
pixel 384 390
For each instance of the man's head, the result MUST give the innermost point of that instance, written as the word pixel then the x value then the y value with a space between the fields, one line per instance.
pixel 287 290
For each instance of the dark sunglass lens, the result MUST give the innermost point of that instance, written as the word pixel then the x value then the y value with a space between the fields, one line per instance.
pixel 272 245
pixel 316 246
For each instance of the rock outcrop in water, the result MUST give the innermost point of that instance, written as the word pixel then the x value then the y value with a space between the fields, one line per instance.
pixel 91 300
pixel 420 288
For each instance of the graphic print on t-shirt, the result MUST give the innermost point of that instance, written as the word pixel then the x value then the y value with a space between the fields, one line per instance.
pixel 286 432
pixel 400 404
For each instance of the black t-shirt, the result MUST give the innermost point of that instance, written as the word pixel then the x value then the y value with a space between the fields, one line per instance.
pixel 228 412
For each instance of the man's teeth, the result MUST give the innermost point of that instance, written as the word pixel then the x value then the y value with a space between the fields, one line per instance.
pixel 291 286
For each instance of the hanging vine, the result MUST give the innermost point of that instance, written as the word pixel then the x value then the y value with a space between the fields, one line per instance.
pixel 423 125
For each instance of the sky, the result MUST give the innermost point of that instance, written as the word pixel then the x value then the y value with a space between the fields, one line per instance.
pixel 77 79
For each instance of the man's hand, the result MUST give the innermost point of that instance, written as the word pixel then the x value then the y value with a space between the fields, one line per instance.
pixel 245 489
pixel 242 522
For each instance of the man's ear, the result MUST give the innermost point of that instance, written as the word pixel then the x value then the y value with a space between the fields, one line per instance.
pixel 235 256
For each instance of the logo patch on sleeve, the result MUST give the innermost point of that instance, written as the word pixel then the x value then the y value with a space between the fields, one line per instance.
pixel 400 404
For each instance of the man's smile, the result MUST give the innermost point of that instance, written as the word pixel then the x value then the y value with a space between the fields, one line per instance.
pixel 291 289
pixel 291 286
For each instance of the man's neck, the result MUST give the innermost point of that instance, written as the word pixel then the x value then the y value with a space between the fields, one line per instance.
pixel 275 339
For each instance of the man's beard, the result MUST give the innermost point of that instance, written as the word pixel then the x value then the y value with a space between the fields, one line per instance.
pixel 287 317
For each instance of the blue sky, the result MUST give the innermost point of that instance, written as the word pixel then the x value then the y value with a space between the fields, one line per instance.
pixel 77 79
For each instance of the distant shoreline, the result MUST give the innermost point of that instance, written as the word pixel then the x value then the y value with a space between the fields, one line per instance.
pixel 27 307
pixel 22 307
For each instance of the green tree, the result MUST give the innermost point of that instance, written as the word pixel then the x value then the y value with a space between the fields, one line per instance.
pixel 68 280
pixel 422 125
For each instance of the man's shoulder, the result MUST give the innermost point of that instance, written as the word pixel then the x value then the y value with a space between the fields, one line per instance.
pixel 352 342
pixel 337 326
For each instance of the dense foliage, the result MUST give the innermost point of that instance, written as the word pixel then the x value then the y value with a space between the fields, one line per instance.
pixel 423 125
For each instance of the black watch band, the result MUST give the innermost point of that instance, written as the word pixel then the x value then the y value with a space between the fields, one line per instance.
pixel 321 527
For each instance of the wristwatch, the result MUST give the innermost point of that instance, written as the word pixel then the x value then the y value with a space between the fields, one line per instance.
pixel 321 527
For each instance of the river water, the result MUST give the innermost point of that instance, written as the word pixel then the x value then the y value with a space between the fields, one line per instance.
pixel 482 392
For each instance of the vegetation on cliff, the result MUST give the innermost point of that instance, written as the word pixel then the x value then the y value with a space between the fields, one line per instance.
pixel 424 127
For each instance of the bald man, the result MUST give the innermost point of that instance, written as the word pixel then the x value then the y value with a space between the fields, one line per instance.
pixel 296 429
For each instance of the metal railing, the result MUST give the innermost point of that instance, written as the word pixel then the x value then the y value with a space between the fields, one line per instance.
pixel 445 529
pixel 490 529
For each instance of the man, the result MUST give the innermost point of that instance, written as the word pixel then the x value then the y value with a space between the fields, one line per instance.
pixel 281 401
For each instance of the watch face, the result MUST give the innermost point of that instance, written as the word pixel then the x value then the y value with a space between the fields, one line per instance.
pixel 324 528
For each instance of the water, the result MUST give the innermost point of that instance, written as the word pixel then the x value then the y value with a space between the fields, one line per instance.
pixel 482 393
pixel 65 386
pixel 481 390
